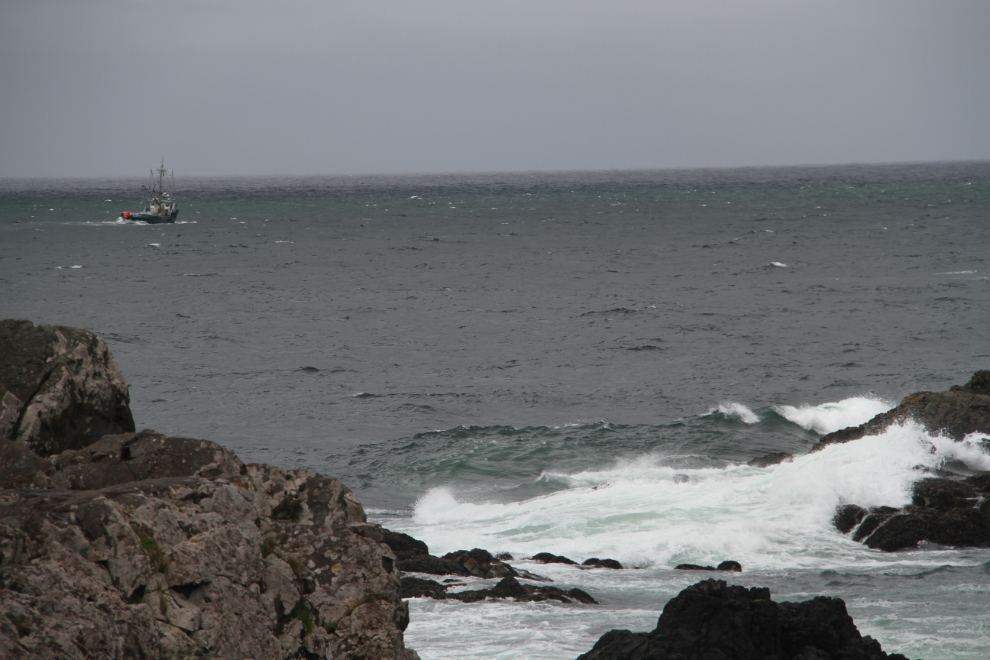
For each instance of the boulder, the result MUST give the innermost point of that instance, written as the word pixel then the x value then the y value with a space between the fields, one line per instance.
pixel 601 563
pixel 713 620
pixel 547 558
pixel 202 556
pixel 59 388
pixel 404 546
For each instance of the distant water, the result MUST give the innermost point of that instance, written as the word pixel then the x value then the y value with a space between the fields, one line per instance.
pixel 579 363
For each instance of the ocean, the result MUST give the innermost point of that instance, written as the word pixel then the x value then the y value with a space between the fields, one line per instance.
pixel 579 363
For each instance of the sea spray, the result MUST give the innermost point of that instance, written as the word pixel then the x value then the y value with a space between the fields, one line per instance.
pixel 646 513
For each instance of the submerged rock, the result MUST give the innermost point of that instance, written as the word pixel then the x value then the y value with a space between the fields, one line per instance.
pixel 770 459
pixel 712 620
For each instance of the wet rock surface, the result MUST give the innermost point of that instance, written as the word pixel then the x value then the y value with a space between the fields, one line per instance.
pixel 961 410
pixel 506 588
pixel 949 509
pixel 728 565
pixel 713 620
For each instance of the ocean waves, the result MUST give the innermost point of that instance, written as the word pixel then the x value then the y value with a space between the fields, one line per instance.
pixel 659 510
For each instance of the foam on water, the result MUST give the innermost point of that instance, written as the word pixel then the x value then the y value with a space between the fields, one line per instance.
pixel 829 417
pixel 737 410
pixel 646 513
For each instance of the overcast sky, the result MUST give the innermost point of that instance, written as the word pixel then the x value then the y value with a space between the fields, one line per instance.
pixel 244 87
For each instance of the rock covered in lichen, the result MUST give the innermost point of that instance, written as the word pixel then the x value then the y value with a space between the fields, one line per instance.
pixel 202 557
pixel 60 388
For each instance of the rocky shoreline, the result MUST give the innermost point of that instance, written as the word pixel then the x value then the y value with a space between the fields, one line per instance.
pixel 121 544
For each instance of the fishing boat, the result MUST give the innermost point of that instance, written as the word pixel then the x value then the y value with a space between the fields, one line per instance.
pixel 160 206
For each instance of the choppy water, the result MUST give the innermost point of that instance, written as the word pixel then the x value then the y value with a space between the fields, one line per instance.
pixel 578 363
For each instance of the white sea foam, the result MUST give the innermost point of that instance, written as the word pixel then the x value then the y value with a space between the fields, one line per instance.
pixel 829 417
pixel 639 513
pixel 777 264
pixel 737 410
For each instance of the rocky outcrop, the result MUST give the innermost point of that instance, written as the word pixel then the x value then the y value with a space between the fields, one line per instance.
pixel 144 546
pixel 947 512
pixel 115 544
pixel 59 388
pixel 962 410
pixel 507 587
pixel 712 620
pixel 728 565
pixel 595 562
pixel 948 509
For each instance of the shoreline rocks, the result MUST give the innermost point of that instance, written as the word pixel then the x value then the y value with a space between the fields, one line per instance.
pixel 115 544
pixel 713 620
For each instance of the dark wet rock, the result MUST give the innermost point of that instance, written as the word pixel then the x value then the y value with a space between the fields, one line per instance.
pixel 547 558
pixel 480 563
pixel 601 563
pixel 682 479
pixel 504 556
pixel 414 587
pixel 404 546
pixel 771 459
pixel 877 516
pixel 510 587
pixel 980 482
pixel 59 388
pixel 714 621
pixel 958 412
pixel 944 493
pixel 432 566
pixel 847 516
pixel 955 527
pixel 728 565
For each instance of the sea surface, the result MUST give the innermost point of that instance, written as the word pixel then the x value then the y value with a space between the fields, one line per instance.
pixel 574 362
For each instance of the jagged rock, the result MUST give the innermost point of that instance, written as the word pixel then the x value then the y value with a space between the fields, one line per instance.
pixel 414 587
pixel 547 558
pixel 510 587
pixel 404 546
pixel 943 493
pixel 958 412
pixel 877 516
pixel 142 545
pixel 59 388
pixel 771 459
pixel 480 563
pixel 712 620
pixel 848 516
pixel 954 527
pixel 728 565
pixel 601 563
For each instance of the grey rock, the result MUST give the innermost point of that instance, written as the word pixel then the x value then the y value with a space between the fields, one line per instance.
pixel 185 565
pixel 59 388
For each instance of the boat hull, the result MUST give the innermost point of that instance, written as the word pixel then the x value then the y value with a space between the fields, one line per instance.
pixel 151 218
